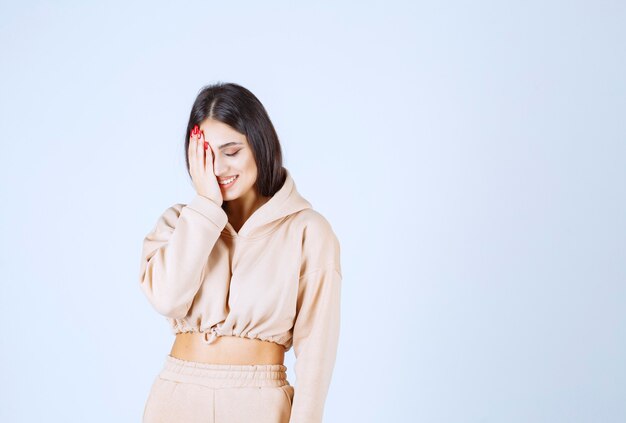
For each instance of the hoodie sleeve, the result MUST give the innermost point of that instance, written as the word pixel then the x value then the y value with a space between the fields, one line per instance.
pixel 316 334
pixel 175 253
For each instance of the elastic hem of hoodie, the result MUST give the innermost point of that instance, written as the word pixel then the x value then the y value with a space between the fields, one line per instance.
pixel 211 334
pixel 214 375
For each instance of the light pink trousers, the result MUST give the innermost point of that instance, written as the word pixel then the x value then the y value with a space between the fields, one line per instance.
pixel 190 392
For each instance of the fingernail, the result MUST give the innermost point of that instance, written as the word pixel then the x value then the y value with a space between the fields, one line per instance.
pixel 206 145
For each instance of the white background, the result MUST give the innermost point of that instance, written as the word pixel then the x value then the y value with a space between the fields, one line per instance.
pixel 470 156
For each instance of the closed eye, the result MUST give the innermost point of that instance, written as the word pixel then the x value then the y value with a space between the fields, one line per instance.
pixel 230 155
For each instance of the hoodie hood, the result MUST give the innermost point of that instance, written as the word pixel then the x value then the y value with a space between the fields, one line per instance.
pixel 286 201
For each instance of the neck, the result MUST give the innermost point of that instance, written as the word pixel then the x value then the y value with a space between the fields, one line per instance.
pixel 240 209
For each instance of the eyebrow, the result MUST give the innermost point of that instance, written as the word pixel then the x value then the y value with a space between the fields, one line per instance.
pixel 228 144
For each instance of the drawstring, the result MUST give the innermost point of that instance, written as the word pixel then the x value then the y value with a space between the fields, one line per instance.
pixel 212 338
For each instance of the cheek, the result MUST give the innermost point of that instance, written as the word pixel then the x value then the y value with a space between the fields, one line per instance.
pixel 248 163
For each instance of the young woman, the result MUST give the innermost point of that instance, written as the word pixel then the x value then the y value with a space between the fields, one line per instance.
pixel 243 272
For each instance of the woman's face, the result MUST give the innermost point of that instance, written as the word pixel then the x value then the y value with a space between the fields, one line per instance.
pixel 232 156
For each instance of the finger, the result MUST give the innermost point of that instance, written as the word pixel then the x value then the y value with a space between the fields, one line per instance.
pixel 201 150
pixel 198 153
pixel 206 151
pixel 197 156
pixel 191 151
pixel 205 143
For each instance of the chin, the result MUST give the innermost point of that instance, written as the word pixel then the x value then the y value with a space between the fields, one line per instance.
pixel 227 196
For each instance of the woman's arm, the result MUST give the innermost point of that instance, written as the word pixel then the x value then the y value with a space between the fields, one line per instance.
pixel 315 339
pixel 175 253
pixel 317 322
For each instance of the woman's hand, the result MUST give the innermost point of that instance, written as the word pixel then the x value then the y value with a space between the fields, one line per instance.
pixel 201 167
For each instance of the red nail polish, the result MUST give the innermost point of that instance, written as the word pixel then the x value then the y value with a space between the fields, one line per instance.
pixel 206 145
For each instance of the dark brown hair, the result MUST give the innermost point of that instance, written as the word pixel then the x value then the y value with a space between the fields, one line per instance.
pixel 238 108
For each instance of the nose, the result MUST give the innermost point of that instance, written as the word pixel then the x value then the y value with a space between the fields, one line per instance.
pixel 218 167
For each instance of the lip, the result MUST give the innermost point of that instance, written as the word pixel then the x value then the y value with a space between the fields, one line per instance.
pixel 229 185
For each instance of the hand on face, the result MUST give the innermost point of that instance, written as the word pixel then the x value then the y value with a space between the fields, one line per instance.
pixel 201 167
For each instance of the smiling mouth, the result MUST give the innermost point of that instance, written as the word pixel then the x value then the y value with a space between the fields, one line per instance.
pixel 229 180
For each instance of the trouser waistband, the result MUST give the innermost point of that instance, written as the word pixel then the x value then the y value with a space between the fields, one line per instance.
pixel 223 375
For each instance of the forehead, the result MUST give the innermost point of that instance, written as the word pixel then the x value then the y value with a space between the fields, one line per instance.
pixel 218 133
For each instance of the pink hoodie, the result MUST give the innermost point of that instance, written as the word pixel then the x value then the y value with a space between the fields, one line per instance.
pixel 278 279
